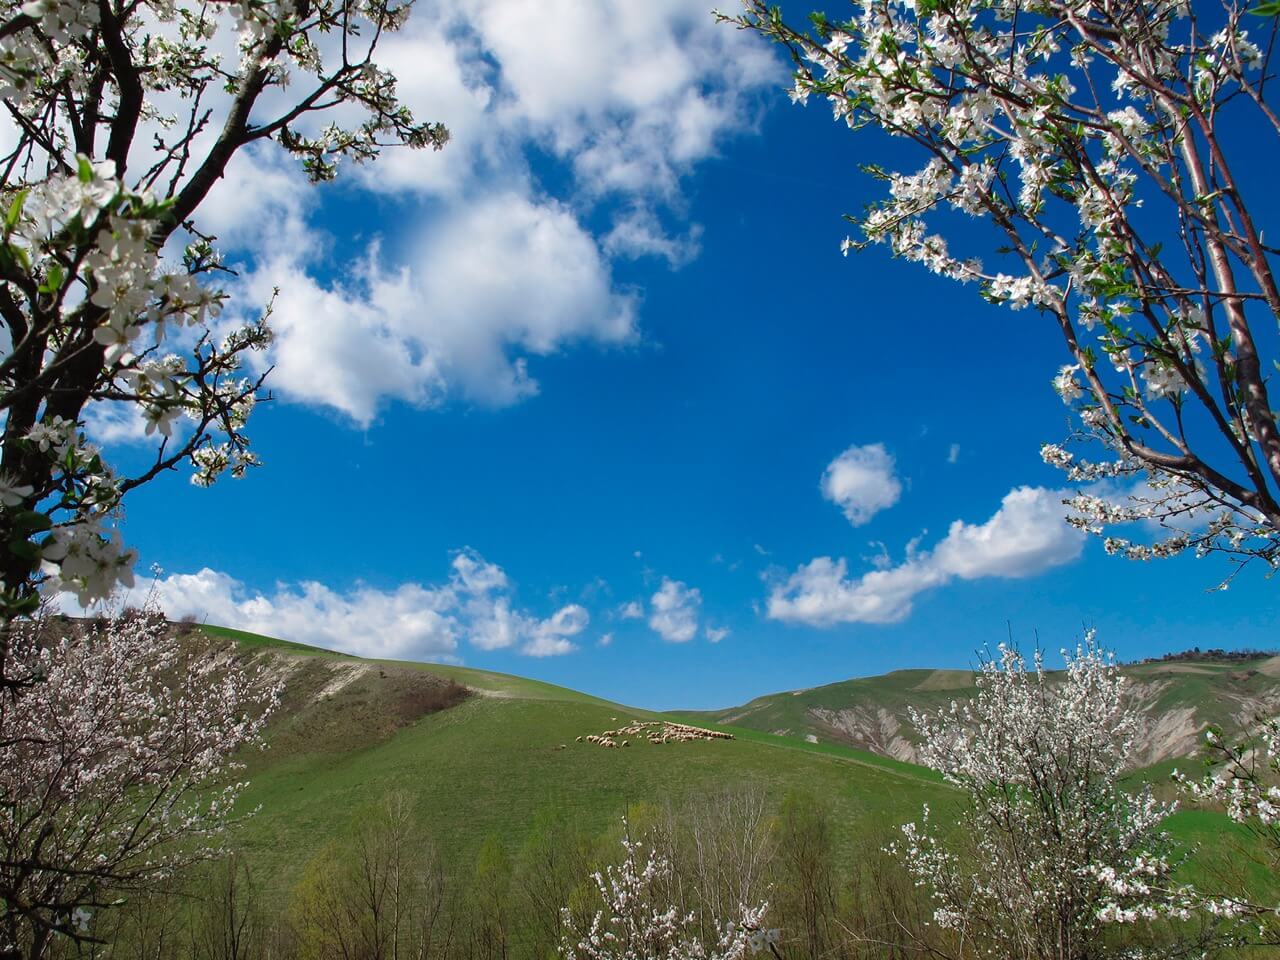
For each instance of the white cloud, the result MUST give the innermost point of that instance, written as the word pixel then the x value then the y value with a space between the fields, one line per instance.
pixel 109 422
pixel 715 634
pixel 631 610
pixel 639 234
pixel 261 204
pixel 632 94
pixel 492 285
pixel 674 611
pixel 626 98
pixel 861 481
pixel 413 621
pixel 606 639
pixel 820 593
pixel 550 637
pixel 953 454
pixel 477 575
pixel 441 75
pixel 1025 537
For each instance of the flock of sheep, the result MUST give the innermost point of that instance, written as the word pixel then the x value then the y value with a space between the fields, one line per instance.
pixel 655 731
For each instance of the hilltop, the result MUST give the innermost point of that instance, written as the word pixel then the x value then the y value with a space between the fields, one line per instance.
pixel 481 757
pixel 1181 696
pixel 482 754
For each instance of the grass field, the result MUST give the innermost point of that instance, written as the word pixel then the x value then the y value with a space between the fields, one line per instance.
pixel 1179 698
pixel 490 764
pixel 350 732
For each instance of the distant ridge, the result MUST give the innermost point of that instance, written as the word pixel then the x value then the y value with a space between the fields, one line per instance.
pixel 1181 694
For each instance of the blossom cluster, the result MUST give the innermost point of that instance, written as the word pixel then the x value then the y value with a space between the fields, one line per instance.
pixel 638 921
pixel 125 116
pixel 1050 829
pixel 1083 141
pixel 115 761
pixel 141 303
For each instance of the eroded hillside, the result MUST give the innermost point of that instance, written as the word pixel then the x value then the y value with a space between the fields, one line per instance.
pixel 1180 700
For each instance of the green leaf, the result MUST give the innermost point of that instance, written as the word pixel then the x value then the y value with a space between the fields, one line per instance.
pixel 1271 8
pixel 52 279
pixel 15 210
pixel 17 608
pixel 19 255
pixel 24 549
pixel 84 169
pixel 31 521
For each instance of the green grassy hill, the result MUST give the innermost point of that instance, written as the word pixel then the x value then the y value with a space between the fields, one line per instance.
pixel 479 754
pixel 351 731
pixel 1180 698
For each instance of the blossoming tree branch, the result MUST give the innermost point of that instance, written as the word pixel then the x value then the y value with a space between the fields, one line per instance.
pixel 1101 148
pixel 125 115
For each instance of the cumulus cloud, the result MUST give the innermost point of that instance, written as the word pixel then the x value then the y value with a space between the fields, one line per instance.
pixel 861 481
pixel 412 621
pixel 624 98
pixel 673 611
pixel 715 634
pixel 408 621
pixel 632 94
pixel 493 284
pixel 639 234
pixel 1025 537
pixel 631 610
pixel 550 637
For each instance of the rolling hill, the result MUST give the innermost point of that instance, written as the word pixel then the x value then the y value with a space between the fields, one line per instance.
pixel 481 754
pixel 1180 698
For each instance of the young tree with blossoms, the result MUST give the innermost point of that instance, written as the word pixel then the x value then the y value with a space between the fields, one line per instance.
pixel 1103 150
pixel 639 919
pixel 124 115
pixel 1047 824
pixel 1244 779
pixel 116 768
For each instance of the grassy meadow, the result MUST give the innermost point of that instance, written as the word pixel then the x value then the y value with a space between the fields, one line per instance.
pixel 350 732
pixel 489 765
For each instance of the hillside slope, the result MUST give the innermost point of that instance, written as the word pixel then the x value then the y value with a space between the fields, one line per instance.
pixel 487 760
pixel 1180 699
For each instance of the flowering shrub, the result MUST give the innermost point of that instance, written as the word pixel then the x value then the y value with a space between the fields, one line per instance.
pixel 1048 825
pixel 1100 146
pixel 115 767
pixel 1245 780
pixel 638 922
pixel 126 114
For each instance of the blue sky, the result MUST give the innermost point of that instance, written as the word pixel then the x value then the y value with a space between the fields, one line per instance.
pixel 590 395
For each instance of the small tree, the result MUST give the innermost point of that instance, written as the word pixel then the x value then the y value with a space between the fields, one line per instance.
pixel 722 852
pixel 553 865
pixel 490 900
pixel 115 768
pixel 380 897
pixel 228 921
pixel 127 113
pixel 638 921
pixel 1039 759
pixel 1244 778
pixel 804 874
pixel 1100 146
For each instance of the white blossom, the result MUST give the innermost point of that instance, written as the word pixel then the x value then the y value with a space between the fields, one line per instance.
pixel 638 921
pixel 115 760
